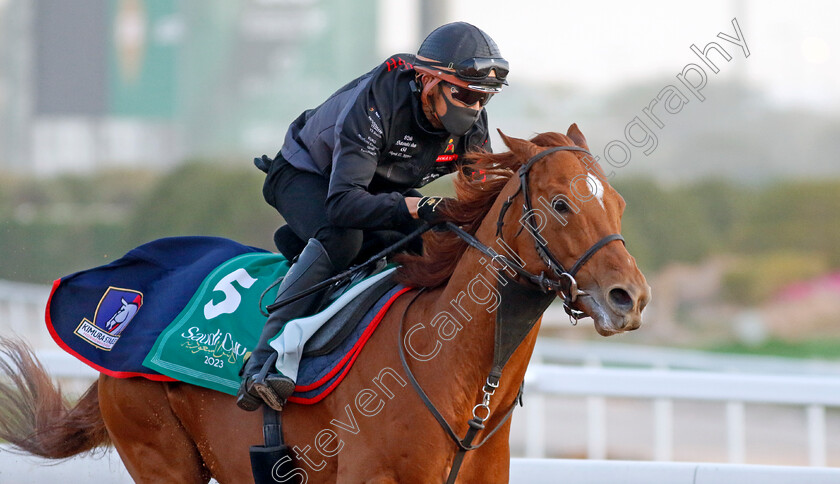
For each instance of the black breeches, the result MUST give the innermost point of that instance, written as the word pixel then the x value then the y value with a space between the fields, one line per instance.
pixel 300 197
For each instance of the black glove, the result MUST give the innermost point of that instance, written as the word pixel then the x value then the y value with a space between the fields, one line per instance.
pixel 263 163
pixel 427 209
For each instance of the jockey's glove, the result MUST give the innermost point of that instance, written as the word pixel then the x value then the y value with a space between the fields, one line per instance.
pixel 428 209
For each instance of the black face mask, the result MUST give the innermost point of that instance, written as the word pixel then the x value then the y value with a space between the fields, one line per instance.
pixel 457 120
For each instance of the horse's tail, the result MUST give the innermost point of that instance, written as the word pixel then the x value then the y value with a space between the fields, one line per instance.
pixel 34 415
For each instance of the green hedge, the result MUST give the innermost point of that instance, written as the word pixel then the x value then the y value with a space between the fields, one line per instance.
pixel 49 228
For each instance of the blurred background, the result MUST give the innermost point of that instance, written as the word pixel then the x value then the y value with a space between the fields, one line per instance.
pixel 122 121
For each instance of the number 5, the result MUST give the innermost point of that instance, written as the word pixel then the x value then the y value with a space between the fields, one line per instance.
pixel 232 298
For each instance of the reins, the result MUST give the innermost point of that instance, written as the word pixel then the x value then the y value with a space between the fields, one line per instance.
pixel 391 249
pixel 515 318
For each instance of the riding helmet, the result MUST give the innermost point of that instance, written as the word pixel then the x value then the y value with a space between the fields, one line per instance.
pixel 463 54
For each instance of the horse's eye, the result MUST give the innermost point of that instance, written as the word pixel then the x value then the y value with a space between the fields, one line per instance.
pixel 561 206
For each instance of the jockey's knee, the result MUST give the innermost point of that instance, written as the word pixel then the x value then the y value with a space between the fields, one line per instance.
pixel 341 244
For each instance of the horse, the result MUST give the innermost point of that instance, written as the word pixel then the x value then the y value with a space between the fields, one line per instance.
pixel 374 427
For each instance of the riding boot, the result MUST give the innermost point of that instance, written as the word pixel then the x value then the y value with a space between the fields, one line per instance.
pixel 260 380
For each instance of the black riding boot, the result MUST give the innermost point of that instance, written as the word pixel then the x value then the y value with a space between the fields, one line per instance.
pixel 260 380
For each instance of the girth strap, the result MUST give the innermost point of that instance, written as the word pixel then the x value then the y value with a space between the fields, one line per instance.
pixel 272 427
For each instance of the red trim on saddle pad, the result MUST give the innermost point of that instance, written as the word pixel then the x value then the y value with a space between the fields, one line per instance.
pixel 347 362
pixel 100 369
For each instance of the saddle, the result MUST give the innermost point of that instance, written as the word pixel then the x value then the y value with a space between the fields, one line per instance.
pixel 335 330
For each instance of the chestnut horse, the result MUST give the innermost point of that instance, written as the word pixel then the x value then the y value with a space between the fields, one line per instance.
pixel 374 427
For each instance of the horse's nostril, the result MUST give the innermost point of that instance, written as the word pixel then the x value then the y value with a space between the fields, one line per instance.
pixel 621 299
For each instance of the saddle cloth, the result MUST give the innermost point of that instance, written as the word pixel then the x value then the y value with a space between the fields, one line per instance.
pixel 187 309
pixel 110 316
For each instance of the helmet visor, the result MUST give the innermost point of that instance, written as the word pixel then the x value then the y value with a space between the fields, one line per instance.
pixel 479 69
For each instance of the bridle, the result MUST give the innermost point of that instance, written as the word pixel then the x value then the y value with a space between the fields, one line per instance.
pixel 565 282
pixel 513 321
pixel 510 331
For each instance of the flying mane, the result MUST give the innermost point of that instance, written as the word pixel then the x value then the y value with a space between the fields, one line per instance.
pixel 477 186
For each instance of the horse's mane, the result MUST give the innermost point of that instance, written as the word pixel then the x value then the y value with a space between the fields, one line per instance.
pixel 475 197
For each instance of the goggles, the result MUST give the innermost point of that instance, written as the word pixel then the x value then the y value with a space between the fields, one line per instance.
pixel 474 72
pixel 468 96
pixel 479 68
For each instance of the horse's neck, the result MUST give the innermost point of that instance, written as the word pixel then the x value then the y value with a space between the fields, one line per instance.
pixel 472 299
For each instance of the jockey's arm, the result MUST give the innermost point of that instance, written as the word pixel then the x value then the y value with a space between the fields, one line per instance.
pixel 349 204
pixel 355 157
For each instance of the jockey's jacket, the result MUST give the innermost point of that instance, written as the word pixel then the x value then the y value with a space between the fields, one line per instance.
pixel 375 144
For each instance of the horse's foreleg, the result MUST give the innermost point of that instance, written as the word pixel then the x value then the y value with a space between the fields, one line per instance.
pixel 150 439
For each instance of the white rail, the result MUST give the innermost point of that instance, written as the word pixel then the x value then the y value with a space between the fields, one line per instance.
pixel 550 471
pixel 22 311
pixel 813 393
pixel 689 385
pixel 24 292
pixel 552 350
pixel 810 384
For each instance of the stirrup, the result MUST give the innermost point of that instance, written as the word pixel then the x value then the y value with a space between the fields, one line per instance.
pixel 245 400
pixel 271 387
pixel 274 390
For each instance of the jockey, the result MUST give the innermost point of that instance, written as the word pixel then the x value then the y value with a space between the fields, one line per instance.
pixel 351 166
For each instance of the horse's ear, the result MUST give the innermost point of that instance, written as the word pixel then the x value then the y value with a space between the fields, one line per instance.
pixel 575 135
pixel 522 148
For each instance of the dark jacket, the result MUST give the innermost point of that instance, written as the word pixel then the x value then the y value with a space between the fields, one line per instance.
pixel 373 142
